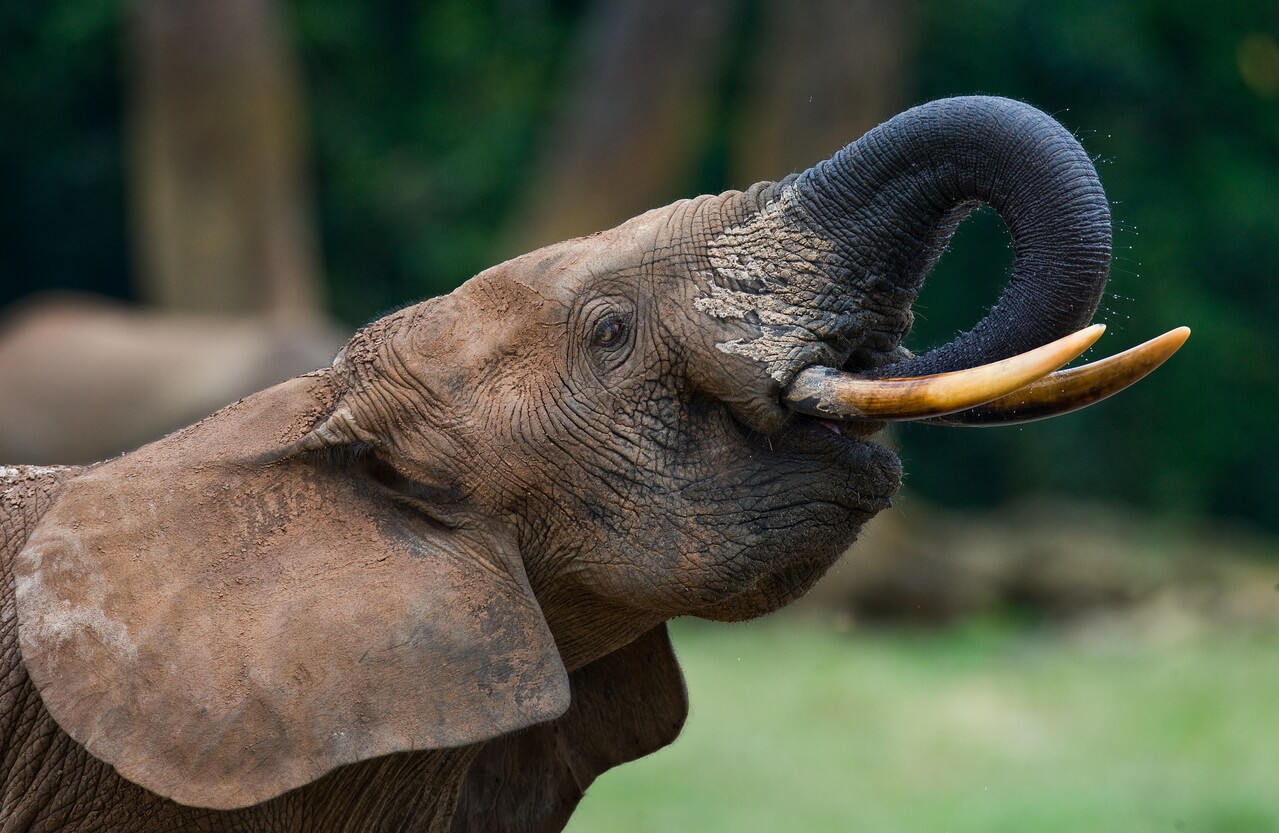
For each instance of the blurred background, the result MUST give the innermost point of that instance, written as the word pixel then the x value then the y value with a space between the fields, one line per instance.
pixel 1070 625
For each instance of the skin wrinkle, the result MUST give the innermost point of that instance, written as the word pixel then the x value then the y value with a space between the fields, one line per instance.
pixel 413 394
pixel 633 449
pixel 573 456
pixel 574 451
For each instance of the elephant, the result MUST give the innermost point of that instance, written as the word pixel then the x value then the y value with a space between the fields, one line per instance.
pixel 426 587
pixel 147 372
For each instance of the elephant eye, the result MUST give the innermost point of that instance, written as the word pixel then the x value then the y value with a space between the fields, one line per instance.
pixel 609 331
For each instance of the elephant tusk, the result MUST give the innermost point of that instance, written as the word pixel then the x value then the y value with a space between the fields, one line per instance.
pixel 831 393
pixel 1069 390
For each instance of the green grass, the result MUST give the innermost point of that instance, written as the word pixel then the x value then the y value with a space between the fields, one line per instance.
pixel 794 727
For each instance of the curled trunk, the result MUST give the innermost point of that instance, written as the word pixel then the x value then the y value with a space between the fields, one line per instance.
pixel 891 200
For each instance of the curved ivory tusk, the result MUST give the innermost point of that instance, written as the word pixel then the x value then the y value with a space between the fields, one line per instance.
pixel 827 392
pixel 1070 390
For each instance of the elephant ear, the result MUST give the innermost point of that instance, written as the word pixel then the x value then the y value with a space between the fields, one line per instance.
pixel 222 624
pixel 625 705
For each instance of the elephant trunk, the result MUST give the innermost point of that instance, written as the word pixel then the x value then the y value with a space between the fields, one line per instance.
pixel 816 275
pixel 891 200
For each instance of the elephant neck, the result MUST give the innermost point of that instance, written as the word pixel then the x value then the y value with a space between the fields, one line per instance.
pixel 587 627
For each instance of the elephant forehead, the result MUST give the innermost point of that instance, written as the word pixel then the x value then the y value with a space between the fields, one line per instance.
pixel 563 271
pixel 481 320
pixel 513 307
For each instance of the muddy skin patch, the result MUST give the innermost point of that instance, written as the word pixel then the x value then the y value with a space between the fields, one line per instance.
pixel 779 271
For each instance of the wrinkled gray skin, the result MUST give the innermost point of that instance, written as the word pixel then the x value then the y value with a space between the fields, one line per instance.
pixel 602 415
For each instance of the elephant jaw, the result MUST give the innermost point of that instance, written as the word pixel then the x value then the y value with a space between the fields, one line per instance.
pixel 1019 389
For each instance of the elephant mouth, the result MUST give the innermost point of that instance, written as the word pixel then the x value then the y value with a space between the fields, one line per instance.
pixel 835 462
pixel 1026 387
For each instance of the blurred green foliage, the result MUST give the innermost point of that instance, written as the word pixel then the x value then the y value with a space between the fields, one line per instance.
pixel 62 218
pixel 425 119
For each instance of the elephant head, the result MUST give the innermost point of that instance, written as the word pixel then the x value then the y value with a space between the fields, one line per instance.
pixel 488 491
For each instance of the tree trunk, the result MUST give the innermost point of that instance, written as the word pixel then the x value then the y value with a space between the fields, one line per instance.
pixel 826 72
pixel 220 205
pixel 630 130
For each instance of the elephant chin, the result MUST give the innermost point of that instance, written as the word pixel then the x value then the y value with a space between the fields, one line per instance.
pixel 786 582
pixel 772 591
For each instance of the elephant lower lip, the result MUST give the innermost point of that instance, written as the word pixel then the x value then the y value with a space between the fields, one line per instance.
pixel 855 430
pixel 830 426
pixel 842 444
